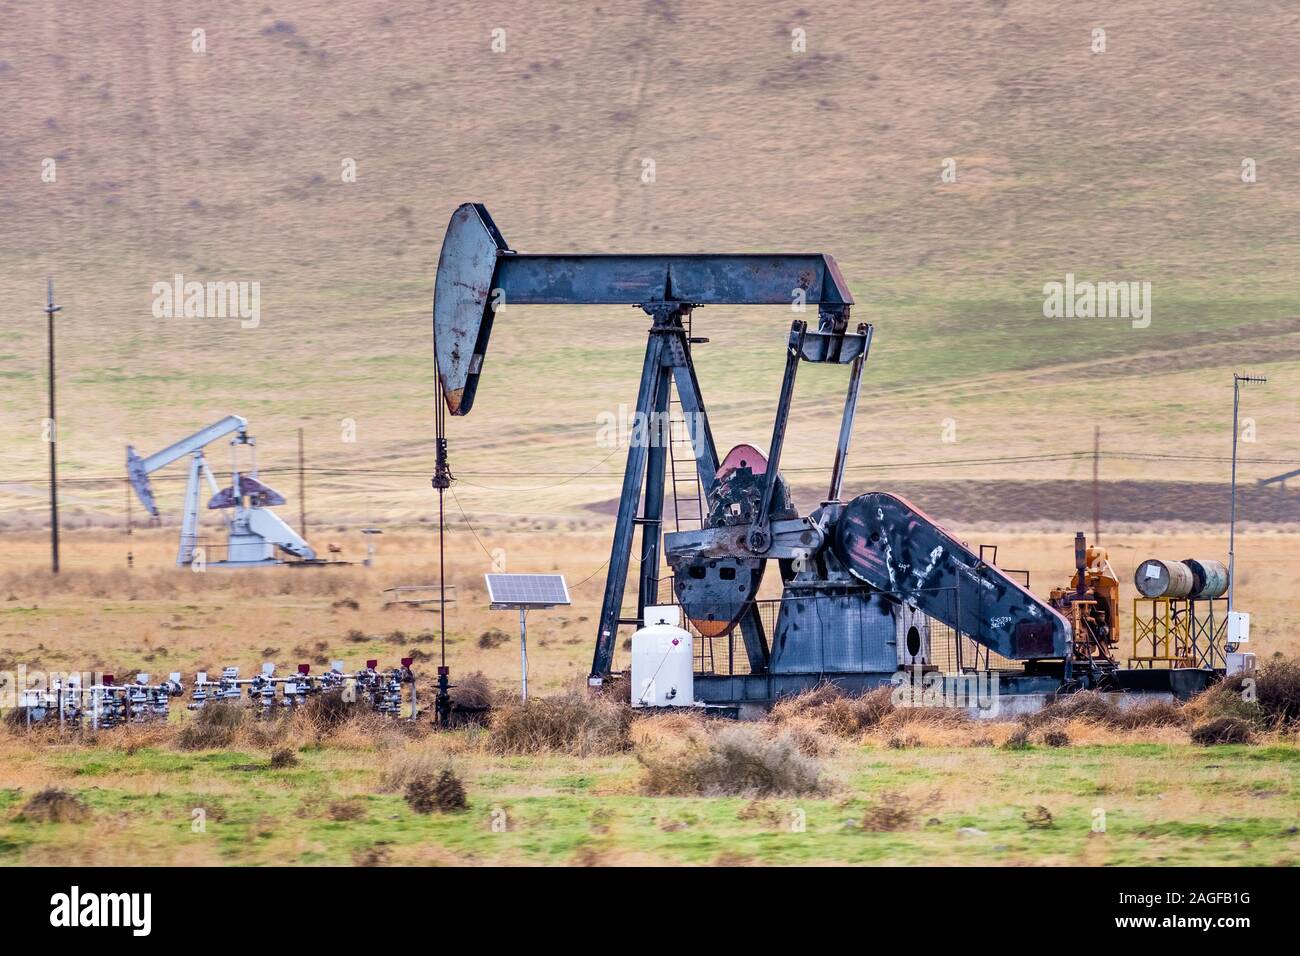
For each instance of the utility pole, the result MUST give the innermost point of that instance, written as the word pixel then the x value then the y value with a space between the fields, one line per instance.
pixel 130 558
pixel 1096 485
pixel 50 309
pixel 442 479
pixel 302 491
pixel 1237 382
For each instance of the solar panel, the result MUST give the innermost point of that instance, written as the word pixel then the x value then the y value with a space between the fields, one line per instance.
pixel 527 590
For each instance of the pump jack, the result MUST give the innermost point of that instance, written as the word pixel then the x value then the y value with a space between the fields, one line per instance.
pixel 848 568
pixel 254 530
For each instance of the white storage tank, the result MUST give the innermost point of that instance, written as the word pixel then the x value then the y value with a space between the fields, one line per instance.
pixel 663 663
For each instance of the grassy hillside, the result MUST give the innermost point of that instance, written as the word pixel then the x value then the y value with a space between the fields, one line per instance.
pixel 226 165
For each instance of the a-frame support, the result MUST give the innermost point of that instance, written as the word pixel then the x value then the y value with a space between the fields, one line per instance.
pixel 667 363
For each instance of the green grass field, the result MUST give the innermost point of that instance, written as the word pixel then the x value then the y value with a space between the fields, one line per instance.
pixel 1160 805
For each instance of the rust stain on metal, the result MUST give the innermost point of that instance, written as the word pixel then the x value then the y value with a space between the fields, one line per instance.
pixel 453 399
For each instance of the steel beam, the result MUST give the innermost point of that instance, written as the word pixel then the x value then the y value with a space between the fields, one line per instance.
pixel 701 279
pixel 478 274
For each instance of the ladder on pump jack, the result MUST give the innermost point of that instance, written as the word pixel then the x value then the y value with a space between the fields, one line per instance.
pixel 679 435
pixel 683 473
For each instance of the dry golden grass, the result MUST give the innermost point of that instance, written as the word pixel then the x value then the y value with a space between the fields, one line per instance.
pixel 98 616
pixel 572 724
pixel 950 773
pixel 157 618
pixel 734 759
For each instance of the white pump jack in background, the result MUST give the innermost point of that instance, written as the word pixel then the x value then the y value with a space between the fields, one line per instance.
pixel 254 531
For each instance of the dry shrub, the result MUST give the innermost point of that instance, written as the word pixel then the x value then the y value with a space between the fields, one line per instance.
pixel 889 814
pixel 1221 730
pixel 226 724
pixel 833 712
pixel 366 730
pixel 214 726
pixel 927 727
pixel 572 723
pixel 492 638
pixel 446 794
pixel 804 703
pixel 449 792
pixel 1092 709
pixel 1056 737
pixel 1154 713
pixel 328 711
pixel 677 725
pixel 1039 818
pixel 734 760
pixel 925 714
pixel 269 734
pixel 768 814
pixel 473 692
pixel 377 855
pixel 1275 704
pixel 409 765
pixel 1019 740
pixel 282 758
pixel 55 806
pixel 141 736
pixel 1086 705
pixel 1226 699
pixel 806 732
pixel 346 810
pixel 1277 686
pixel 420 795
pixel 617 688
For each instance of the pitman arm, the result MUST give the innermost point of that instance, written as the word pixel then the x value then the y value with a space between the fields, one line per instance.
pixel 894 546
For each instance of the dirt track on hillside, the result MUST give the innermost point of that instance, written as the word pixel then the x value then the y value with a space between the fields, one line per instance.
pixel 1070 502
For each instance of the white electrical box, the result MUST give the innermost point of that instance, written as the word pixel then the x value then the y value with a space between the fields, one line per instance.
pixel 663 661
pixel 1239 664
pixel 1238 627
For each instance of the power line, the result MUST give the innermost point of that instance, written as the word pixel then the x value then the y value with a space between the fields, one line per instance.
pixel 468 525
pixel 570 476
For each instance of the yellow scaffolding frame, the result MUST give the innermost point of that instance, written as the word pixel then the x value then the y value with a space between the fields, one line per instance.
pixel 1169 632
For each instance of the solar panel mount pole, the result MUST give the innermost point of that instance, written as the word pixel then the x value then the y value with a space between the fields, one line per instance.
pixel 523 653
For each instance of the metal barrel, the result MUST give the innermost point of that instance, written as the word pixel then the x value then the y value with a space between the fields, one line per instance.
pixel 1209 578
pixel 1156 578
